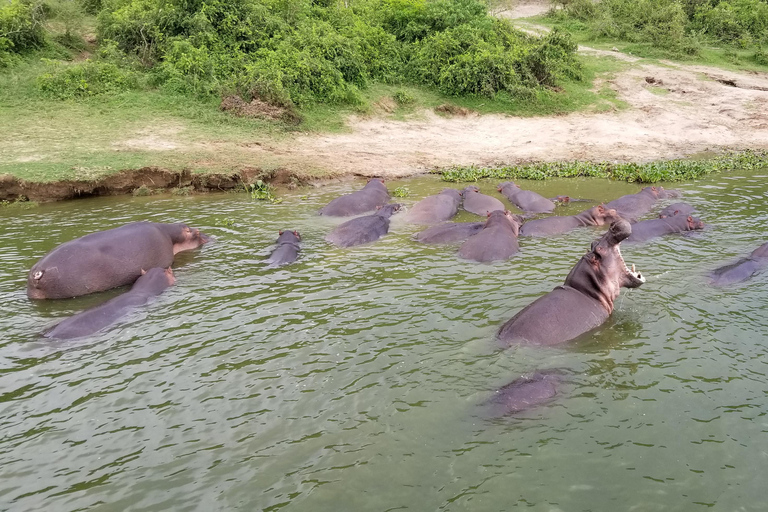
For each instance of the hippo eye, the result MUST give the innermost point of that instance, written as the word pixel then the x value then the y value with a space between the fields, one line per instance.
pixel 38 275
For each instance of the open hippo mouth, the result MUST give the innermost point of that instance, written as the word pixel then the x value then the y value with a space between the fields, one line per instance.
pixel 620 230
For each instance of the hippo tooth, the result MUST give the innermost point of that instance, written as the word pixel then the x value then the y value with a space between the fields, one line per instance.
pixel 633 269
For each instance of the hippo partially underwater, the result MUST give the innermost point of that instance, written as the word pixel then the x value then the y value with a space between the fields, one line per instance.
pixel 363 230
pixel 287 249
pixel 742 269
pixel 436 208
pixel 108 259
pixel 373 195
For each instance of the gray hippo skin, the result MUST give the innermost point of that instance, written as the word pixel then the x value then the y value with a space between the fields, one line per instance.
pixel 434 209
pixel 527 200
pixel 743 269
pixel 373 195
pixel 525 392
pixel 108 259
pixel 584 301
pixel 595 216
pixel 633 206
pixel 448 233
pixel 497 240
pixel 363 230
pixel 148 285
pixel 647 229
pixel 677 209
pixel 287 249
pixel 480 204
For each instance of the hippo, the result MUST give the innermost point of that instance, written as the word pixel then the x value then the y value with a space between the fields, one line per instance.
pixel 287 249
pixel 150 284
pixel 449 232
pixel 583 302
pixel 633 206
pixel 434 209
pixel 595 216
pixel 373 195
pixel 676 209
pixel 497 240
pixel 647 229
pixel 108 259
pixel 526 392
pixel 742 269
pixel 363 229
pixel 480 204
pixel 569 199
pixel 527 200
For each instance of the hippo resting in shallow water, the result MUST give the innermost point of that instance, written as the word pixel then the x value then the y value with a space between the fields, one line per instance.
pixel 434 209
pixel 497 240
pixel 449 232
pixel 373 195
pixel 525 392
pixel 108 259
pixel 480 204
pixel 527 200
pixel 363 229
pixel 287 249
pixel 633 206
pixel 647 229
pixel 148 285
pixel 742 269
pixel 583 302
pixel 556 225
pixel 676 209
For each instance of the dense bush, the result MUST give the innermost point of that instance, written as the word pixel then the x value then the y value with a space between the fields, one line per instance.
pixel 85 79
pixel 21 28
pixel 735 21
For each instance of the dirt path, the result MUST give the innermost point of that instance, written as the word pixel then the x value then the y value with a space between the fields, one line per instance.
pixel 675 111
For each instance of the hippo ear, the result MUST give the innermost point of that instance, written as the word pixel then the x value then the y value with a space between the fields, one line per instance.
pixel 295 233
pixel 381 181
pixel 498 189
pixel 280 232
pixel 378 207
pixel 601 208
pixel 487 214
pixel 143 271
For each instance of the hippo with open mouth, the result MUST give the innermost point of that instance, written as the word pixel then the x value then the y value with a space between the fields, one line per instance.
pixel 583 302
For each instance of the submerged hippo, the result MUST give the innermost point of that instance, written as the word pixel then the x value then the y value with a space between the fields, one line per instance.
pixel 108 259
pixel 647 229
pixel 583 302
pixel 676 209
pixel 497 240
pixel 480 204
pixel 363 229
pixel 527 200
pixel 526 392
pixel 633 206
pixel 148 285
pixel 448 233
pixel 595 216
pixel 373 195
pixel 287 249
pixel 434 209
pixel 742 269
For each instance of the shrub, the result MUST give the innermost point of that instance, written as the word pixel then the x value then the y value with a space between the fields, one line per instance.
pixel 65 81
pixel 734 21
pixel 21 28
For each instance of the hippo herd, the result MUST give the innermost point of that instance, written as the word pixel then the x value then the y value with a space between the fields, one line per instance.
pixel 141 253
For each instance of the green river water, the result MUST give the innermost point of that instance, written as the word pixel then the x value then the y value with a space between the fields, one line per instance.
pixel 351 380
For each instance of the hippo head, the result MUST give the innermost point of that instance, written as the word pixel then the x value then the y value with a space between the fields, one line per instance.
pixel 288 236
pixel 41 279
pixel 507 184
pixel 154 280
pixel 602 215
pixel 760 252
pixel 388 210
pixel 601 273
pixel 562 199
pixel 470 188
pixel 506 217
pixel 685 222
pixel 185 238
pixel 375 183
pixel 667 194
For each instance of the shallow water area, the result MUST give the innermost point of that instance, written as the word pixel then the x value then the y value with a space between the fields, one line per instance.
pixel 352 379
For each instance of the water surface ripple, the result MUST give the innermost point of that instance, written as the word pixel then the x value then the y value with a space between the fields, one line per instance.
pixel 351 379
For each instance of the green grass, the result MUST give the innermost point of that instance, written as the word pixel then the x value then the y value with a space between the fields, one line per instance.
pixel 650 172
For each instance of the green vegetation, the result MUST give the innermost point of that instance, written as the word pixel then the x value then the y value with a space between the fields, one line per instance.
pixel 263 191
pixel 672 28
pixel 401 192
pixel 651 172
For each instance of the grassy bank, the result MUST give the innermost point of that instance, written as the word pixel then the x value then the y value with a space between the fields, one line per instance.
pixel 649 172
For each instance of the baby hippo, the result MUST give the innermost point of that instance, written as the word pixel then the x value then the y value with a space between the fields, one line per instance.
pixel 742 269
pixel 449 232
pixel 363 229
pixel 497 241
pixel 287 249
pixel 676 209
pixel 527 200
pixel 557 225
pixel 647 229
pixel 525 392
pixel 434 209
pixel 150 284
pixel 480 204
pixel 373 195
